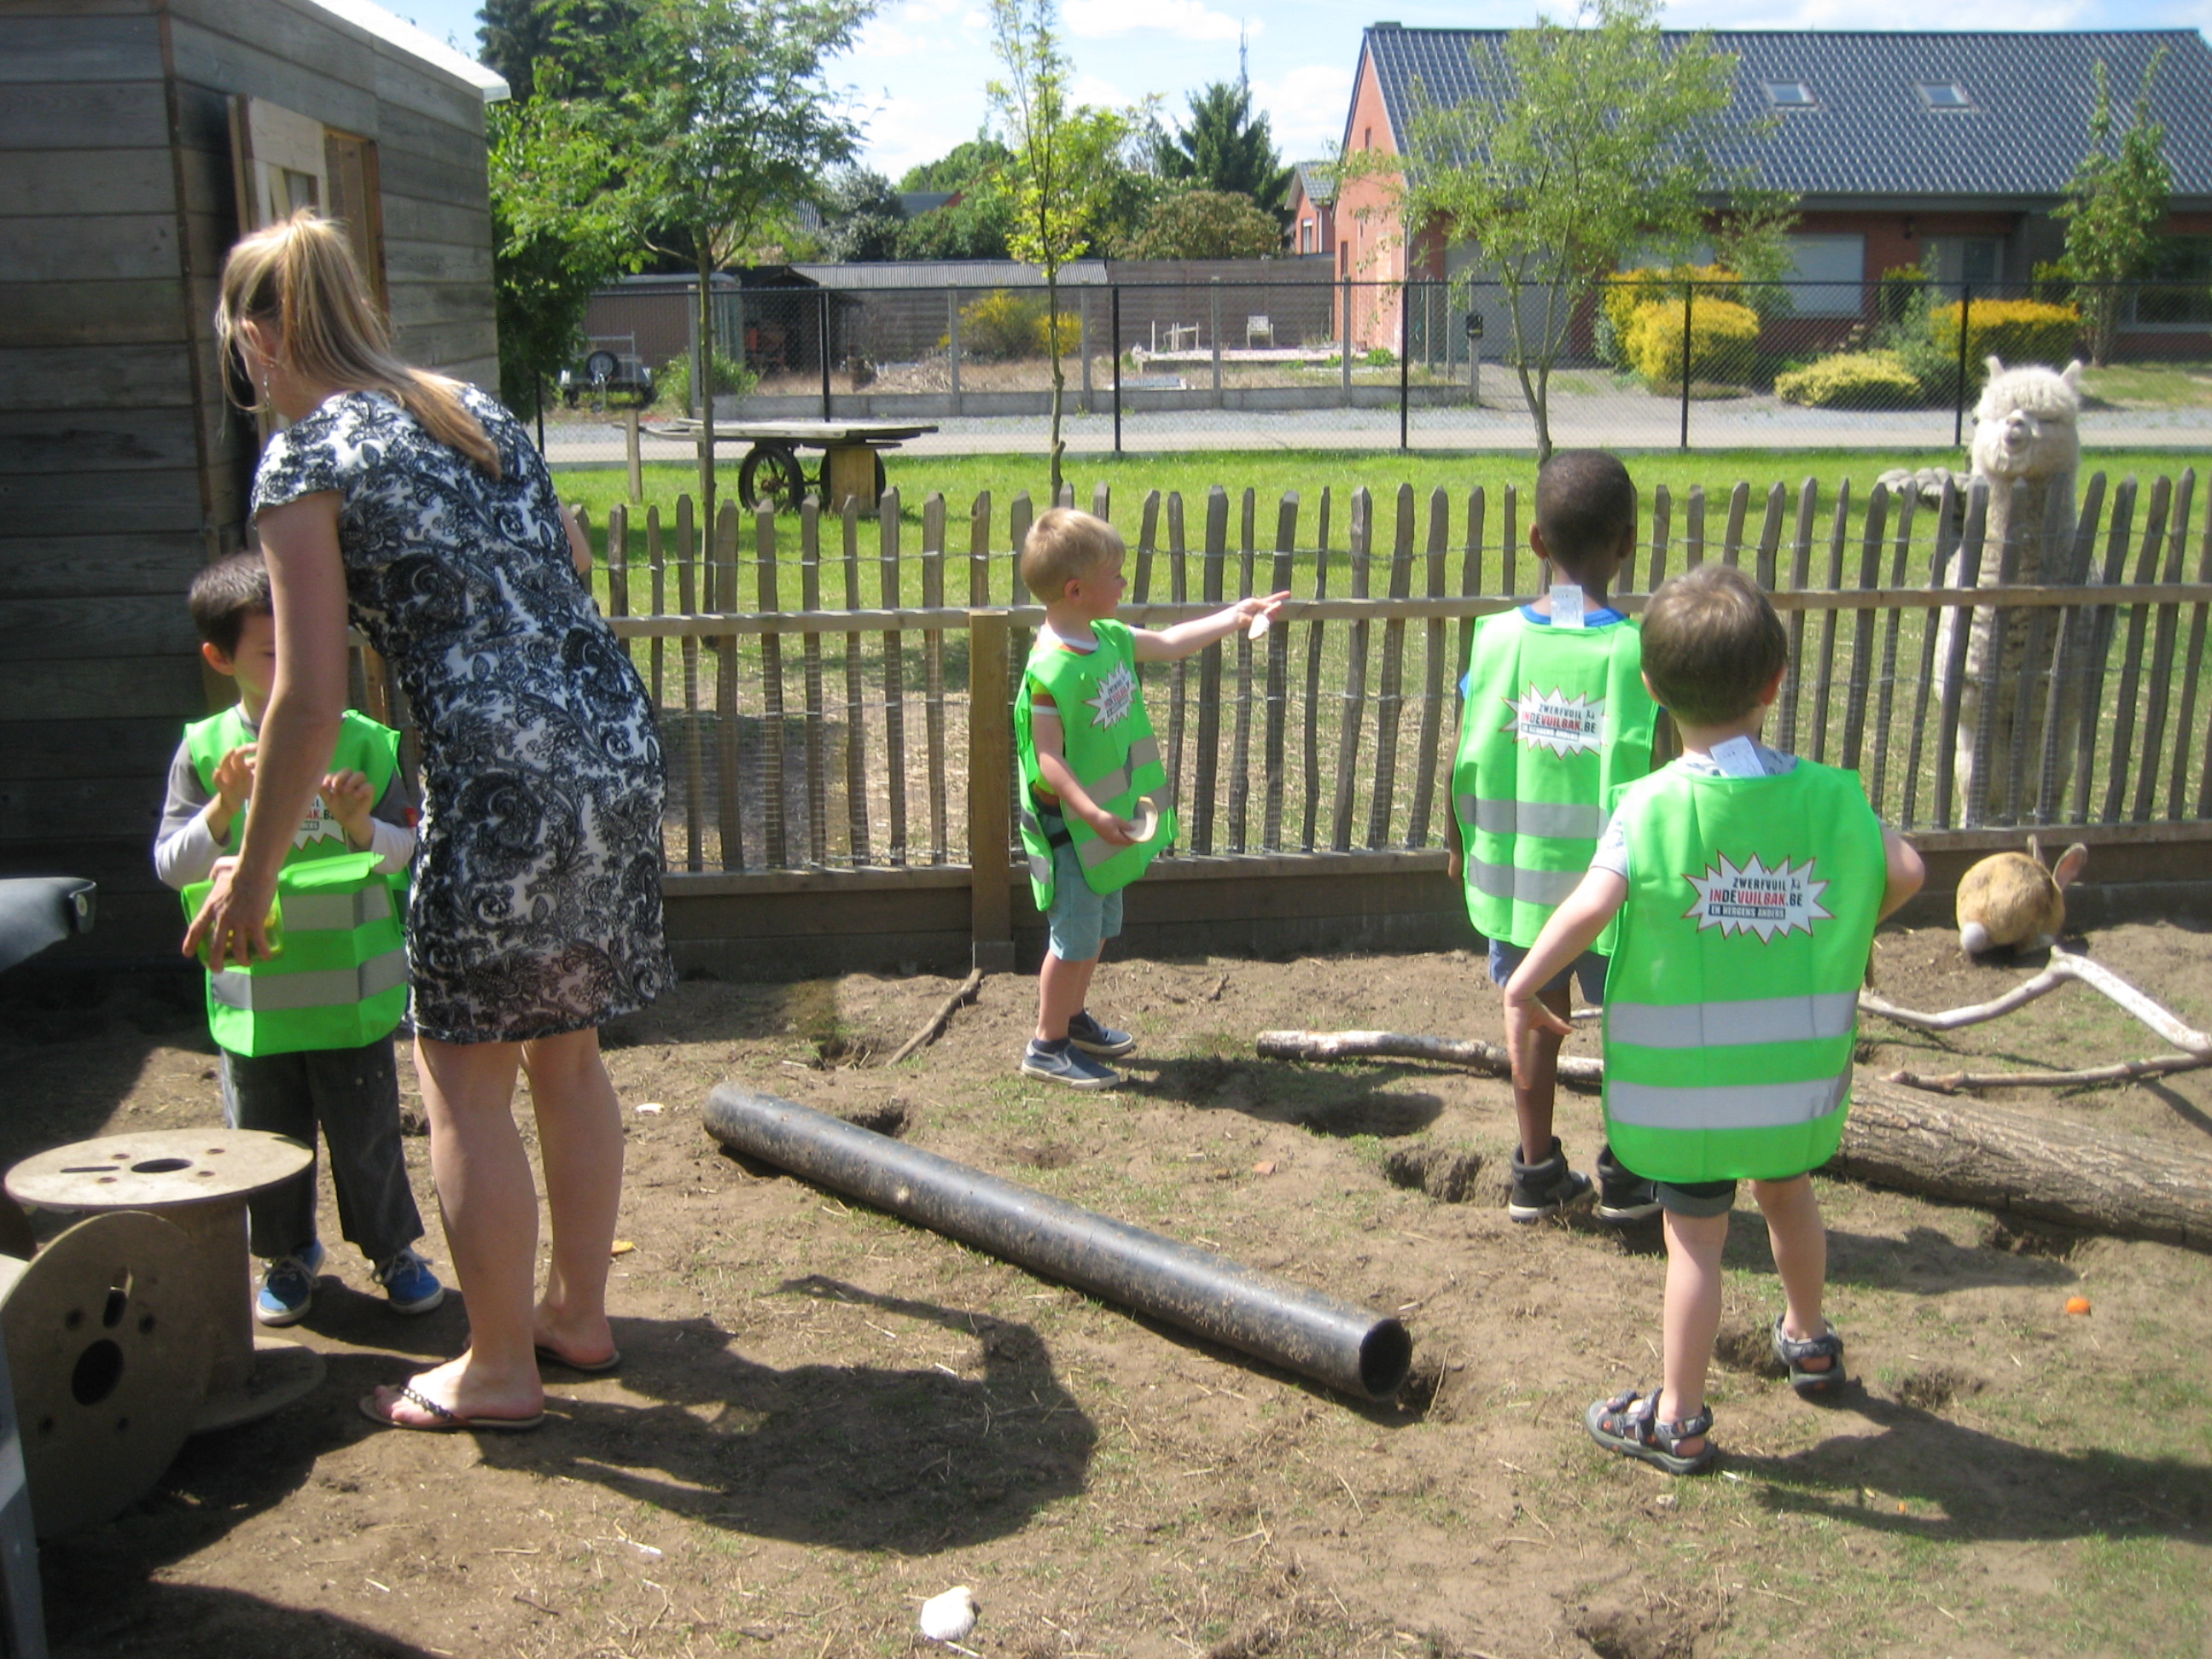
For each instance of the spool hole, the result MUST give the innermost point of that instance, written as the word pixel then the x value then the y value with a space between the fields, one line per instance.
pixel 118 1300
pixel 160 1166
pixel 99 1369
pixel 72 1319
pixel 145 1324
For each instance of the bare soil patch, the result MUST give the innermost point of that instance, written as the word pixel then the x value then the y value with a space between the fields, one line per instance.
pixel 826 1416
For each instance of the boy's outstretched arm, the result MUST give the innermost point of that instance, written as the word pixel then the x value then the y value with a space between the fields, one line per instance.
pixel 1573 928
pixel 1903 871
pixel 1074 801
pixel 1166 644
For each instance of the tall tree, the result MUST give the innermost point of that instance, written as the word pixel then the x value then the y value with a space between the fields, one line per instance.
pixel 1224 148
pixel 728 124
pixel 1208 224
pixel 861 217
pixel 1583 143
pixel 560 229
pixel 2112 208
pixel 591 41
pixel 1066 158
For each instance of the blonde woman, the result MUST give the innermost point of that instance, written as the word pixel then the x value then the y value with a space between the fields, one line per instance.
pixel 416 505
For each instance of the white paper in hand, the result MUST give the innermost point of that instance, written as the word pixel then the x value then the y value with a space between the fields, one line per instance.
pixel 1259 626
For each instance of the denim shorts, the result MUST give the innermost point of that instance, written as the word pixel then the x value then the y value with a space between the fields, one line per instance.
pixel 1080 921
pixel 1588 967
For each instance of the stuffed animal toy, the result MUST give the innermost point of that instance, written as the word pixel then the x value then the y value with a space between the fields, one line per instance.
pixel 2009 899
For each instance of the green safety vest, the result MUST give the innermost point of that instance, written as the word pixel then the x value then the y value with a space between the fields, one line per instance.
pixel 1110 749
pixel 1557 719
pixel 339 980
pixel 1732 1005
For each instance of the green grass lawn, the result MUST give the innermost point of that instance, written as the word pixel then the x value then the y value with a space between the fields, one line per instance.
pixel 2150 385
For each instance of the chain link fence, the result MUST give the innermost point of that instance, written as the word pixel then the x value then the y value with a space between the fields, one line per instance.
pixel 1658 360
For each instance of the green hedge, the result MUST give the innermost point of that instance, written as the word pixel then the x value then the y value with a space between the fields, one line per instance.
pixel 1851 380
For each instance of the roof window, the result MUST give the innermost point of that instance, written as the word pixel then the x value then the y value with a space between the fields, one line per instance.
pixel 1943 95
pixel 1790 94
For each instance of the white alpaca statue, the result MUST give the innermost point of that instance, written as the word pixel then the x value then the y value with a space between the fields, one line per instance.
pixel 2025 433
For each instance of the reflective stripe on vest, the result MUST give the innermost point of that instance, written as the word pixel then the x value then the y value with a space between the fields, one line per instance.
pixel 331 987
pixel 333 913
pixel 1556 718
pixel 1744 1106
pixel 1724 1024
pixel 1144 751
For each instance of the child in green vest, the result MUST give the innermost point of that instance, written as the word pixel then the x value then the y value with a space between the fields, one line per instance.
pixel 1088 760
pixel 1556 717
pixel 305 1041
pixel 1747 885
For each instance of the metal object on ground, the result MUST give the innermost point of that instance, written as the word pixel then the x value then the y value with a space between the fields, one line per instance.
pixel 1347 1346
pixel 198 1180
pixel 110 1362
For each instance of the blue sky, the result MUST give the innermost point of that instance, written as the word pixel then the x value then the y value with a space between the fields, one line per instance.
pixel 917 77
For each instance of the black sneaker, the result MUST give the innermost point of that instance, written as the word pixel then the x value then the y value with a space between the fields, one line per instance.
pixel 1088 1035
pixel 1066 1063
pixel 1622 1195
pixel 1545 1188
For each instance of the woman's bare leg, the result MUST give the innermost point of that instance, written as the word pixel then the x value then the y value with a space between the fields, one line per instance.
pixel 490 1209
pixel 579 1140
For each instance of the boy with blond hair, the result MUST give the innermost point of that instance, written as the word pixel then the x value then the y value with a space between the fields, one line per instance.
pixel 1090 769
pixel 1556 718
pixel 1747 885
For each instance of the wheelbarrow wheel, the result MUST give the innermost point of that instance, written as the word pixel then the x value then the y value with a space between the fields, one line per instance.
pixel 771 473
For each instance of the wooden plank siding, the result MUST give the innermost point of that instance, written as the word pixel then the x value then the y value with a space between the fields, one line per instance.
pixel 123 467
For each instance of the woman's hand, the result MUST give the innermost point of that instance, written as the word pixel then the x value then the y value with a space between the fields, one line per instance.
pixel 232 925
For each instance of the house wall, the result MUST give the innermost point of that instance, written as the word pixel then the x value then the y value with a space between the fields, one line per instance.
pixel 1367 248
pixel 122 469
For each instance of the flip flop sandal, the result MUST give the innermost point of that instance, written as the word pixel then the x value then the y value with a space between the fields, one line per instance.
pixel 1629 1424
pixel 448 1421
pixel 1791 1351
pixel 550 1356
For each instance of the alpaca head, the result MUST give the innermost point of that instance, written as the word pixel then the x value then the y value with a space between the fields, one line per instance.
pixel 2025 422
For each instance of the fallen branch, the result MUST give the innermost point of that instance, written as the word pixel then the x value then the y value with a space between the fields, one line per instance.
pixel 2064 965
pixel 2019 997
pixel 1470 1052
pixel 1948 1083
pixel 937 1022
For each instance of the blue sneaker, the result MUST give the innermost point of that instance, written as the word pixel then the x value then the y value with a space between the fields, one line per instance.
pixel 1064 1063
pixel 288 1286
pixel 410 1285
pixel 1088 1035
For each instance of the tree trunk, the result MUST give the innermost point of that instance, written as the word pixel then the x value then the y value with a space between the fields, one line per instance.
pixel 1995 1158
pixel 1052 346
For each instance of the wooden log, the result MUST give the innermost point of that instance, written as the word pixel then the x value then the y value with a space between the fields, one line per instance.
pixel 1994 1157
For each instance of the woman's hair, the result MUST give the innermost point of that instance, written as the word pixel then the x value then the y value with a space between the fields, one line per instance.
pixel 298 278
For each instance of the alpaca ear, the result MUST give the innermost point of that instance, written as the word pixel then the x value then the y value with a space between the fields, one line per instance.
pixel 1995 365
pixel 2072 376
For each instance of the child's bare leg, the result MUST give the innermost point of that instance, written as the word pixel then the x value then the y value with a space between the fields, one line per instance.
pixel 1062 990
pixel 1532 1104
pixel 1801 1256
pixel 1692 1320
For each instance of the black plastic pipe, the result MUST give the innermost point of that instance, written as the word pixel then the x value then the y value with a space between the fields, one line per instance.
pixel 1347 1348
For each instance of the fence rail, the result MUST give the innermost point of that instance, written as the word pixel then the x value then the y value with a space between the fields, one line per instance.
pixel 873 737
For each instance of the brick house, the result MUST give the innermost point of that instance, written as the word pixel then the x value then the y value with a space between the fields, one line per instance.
pixel 1944 150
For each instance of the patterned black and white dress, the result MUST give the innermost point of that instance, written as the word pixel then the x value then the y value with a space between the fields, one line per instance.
pixel 536 906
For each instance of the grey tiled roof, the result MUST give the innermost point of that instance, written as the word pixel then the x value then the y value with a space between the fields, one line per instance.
pixel 1869 132
pixel 1317 179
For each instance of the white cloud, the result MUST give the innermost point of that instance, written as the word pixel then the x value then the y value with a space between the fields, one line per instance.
pixel 1186 20
pixel 904 132
pixel 1097 91
pixel 1305 108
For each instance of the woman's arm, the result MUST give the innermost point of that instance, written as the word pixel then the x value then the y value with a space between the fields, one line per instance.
pixel 300 729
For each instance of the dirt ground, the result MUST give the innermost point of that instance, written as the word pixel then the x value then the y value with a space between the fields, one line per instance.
pixel 825 1415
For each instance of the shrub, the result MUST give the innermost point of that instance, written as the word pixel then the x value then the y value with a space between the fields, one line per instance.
pixel 1851 380
pixel 1723 340
pixel 1630 292
pixel 2018 330
pixel 1002 325
pixel 1380 357
pixel 672 385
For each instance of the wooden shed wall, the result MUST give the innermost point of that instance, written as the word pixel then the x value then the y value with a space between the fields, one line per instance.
pixel 122 469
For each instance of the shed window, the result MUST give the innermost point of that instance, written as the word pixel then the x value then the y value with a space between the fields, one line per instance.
pixel 1943 95
pixel 1790 94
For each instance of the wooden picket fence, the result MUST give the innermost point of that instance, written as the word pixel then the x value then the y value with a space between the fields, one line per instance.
pixel 868 729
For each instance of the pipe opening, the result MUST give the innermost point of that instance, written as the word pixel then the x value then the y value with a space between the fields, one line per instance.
pixel 1386 1354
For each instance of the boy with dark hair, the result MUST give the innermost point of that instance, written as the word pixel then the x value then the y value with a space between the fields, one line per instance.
pixel 297 1052
pixel 1556 717
pixel 1745 886
pixel 1088 761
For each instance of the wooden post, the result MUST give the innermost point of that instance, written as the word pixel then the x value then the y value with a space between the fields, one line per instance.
pixel 809 598
pixel 2132 663
pixel 729 798
pixel 893 678
pixel 687 598
pixel 1390 699
pixel 933 668
pixel 1355 676
pixel 636 463
pixel 1240 752
pixel 990 822
pixel 1279 671
pixel 1432 686
pixel 856 698
pixel 777 852
pixel 1198 828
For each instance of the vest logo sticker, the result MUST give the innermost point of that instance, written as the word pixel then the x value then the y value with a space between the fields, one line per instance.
pixel 1117 696
pixel 1757 900
pixel 1553 720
